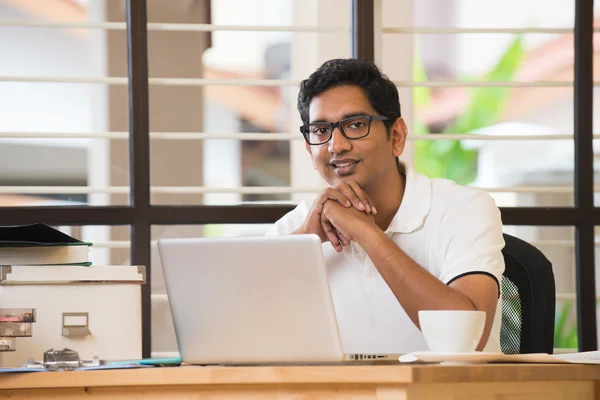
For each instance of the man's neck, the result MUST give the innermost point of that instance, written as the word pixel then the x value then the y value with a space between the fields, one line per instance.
pixel 387 195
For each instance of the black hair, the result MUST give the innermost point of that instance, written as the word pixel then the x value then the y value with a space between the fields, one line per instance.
pixel 380 91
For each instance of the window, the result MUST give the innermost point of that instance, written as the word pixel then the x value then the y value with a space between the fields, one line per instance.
pixel 494 105
pixel 184 123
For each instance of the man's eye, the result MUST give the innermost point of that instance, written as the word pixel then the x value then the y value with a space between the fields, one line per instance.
pixel 320 130
pixel 357 125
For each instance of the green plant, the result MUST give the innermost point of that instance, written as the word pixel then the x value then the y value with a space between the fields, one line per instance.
pixel 447 158
pixel 565 331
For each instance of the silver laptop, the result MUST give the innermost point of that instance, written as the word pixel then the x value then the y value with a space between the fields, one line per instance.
pixel 253 300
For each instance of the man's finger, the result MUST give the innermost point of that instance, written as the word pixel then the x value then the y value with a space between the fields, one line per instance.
pixel 332 237
pixel 343 234
pixel 351 195
pixel 343 238
pixel 363 196
pixel 330 233
pixel 332 194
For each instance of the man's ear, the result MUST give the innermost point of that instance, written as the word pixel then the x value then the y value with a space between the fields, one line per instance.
pixel 310 152
pixel 398 132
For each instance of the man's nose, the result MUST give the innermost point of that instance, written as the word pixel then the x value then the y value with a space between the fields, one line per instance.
pixel 338 143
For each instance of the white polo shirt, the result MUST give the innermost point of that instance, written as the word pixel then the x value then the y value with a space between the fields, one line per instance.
pixel 448 229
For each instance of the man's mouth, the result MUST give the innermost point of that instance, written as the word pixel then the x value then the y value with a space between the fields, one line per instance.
pixel 345 166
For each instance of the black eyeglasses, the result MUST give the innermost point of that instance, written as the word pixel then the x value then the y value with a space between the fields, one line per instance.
pixel 351 128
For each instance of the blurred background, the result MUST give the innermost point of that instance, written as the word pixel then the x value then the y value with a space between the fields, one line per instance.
pixel 223 119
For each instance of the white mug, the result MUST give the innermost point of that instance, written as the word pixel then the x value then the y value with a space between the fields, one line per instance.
pixel 452 331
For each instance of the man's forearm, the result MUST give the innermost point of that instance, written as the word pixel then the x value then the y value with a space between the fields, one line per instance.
pixel 414 287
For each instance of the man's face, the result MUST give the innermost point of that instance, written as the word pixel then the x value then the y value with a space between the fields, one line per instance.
pixel 363 160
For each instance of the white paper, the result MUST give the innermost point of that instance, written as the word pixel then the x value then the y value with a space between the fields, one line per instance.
pixel 588 357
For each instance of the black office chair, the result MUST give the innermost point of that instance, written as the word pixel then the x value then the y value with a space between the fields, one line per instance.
pixel 528 299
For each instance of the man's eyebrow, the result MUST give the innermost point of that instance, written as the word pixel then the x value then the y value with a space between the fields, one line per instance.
pixel 349 115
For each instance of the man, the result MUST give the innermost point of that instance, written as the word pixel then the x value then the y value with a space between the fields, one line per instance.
pixel 395 241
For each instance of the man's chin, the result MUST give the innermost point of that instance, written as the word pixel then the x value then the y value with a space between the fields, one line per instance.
pixel 335 180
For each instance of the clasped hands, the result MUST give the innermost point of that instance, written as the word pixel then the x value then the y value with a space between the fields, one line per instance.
pixel 340 215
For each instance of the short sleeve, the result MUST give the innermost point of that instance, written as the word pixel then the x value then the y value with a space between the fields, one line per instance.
pixel 291 221
pixel 471 238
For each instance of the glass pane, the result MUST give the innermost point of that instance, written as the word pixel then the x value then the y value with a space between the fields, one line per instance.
pixel 34 164
pixel 508 168
pixel 510 13
pixel 558 245
pixel 498 165
pixel 199 171
pixel 163 334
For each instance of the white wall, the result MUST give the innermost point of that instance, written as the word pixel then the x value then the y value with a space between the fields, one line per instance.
pixel 436 50
pixel 244 50
pixel 396 57
pixel 222 158
pixel 43 107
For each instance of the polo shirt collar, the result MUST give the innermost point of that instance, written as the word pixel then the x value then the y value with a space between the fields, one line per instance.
pixel 415 205
pixel 413 210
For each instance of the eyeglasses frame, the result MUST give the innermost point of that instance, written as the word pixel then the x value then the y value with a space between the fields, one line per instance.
pixel 338 124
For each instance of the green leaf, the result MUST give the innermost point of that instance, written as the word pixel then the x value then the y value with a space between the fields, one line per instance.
pixel 486 103
pixel 427 161
pixel 564 338
pixel 419 128
pixel 449 159
pixel 461 164
pixel 571 340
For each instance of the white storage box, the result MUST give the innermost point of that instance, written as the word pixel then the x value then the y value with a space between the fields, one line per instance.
pixel 95 311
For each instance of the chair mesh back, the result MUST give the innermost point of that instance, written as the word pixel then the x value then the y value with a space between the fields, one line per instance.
pixel 516 308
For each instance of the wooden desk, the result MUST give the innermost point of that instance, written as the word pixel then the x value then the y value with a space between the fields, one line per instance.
pixel 313 382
